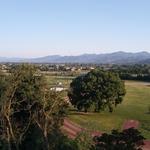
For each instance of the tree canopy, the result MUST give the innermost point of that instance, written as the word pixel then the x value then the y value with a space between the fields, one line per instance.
pixel 129 139
pixel 26 103
pixel 99 89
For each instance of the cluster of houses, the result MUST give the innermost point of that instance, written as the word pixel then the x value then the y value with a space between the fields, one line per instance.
pixel 65 67
pixel 52 67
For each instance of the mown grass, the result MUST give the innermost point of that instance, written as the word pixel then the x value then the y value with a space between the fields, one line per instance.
pixel 134 106
pixel 54 80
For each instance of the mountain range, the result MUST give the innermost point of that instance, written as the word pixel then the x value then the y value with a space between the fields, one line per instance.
pixel 119 57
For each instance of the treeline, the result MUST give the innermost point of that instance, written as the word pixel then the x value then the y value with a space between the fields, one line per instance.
pixel 133 72
pixel 135 77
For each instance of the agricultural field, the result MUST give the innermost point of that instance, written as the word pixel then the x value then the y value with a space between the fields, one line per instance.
pixel 135 106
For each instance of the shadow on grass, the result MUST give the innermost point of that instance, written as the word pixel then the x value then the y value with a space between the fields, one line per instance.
pixel 148 113
pixel 74 111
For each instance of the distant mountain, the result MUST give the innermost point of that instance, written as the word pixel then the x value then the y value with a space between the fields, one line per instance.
pixel 5 59
pixel 147 61
pixel 111 58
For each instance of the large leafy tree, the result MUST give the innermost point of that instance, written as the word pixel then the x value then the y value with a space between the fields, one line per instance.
pixel 26 102
pixel 100 88
pixel 16 103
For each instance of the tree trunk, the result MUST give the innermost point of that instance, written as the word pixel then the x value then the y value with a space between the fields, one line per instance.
pixel 46 135
pixel 46 143
pixel 9 143
pixel 85 110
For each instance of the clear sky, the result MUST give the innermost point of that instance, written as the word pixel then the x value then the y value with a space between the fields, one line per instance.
pixel 31 28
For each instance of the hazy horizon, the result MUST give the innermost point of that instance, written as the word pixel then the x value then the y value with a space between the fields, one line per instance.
pixel 35 28
pixel 70 54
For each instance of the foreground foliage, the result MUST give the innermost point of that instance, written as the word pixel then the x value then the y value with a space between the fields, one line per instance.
pixel 27 106
pixel 129 139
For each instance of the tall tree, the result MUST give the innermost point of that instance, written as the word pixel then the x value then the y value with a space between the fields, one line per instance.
pixel 101 88
pixel 26 101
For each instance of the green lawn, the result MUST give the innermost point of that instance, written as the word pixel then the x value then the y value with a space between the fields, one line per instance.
pixel 134 106
pixel 54 80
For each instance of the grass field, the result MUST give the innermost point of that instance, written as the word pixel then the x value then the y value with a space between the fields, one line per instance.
pixel 54 80
pixel 134 106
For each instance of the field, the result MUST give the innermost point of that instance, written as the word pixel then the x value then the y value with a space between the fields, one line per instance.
pixel 135 106
pixel 55 80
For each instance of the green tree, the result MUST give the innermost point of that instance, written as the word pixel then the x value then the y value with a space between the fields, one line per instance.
pixel 129 139
pixel 100 88
pixel 25 102
pixel 56 139
pixel 84 140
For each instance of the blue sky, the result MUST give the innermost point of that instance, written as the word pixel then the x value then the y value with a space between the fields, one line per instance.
pixel 31 28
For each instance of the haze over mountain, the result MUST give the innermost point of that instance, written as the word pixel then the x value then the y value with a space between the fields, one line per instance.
pixel 119 57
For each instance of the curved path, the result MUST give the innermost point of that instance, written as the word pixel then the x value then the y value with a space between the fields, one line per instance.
pixel 130 124
pixel 146 145
pixel 135 124
pixel 72 129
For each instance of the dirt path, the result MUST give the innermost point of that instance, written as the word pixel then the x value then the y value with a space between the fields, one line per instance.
pixel 135 124
pixel 146 145
pixel 130 124
pixel 72 129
